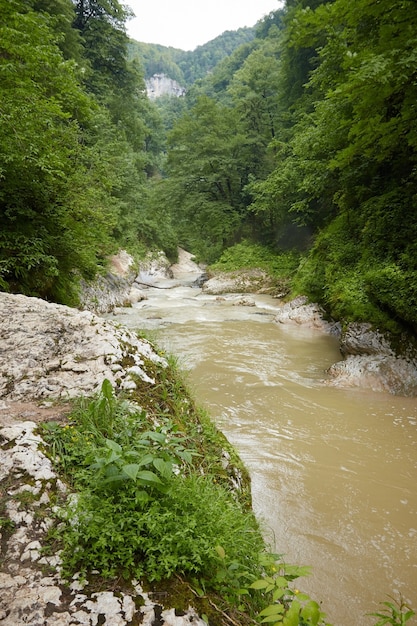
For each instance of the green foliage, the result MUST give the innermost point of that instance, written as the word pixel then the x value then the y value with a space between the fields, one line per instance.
pixel 142 509
pixel 396 613
pixel 281 265
pixel 46 233
pixel 147 505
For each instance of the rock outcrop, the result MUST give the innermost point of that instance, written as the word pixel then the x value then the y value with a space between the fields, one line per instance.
pixel 370 361
pixel 115 288
pixel 302 312
pixel 162 85
pixel 48 350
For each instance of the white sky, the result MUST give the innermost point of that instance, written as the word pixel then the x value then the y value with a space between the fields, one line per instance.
pixel 186 24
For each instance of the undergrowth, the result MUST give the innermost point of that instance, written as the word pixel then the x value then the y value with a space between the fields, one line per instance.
pixel 154 501
pixel 158 494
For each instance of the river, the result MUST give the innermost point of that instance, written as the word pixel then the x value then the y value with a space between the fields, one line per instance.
pixel 333 470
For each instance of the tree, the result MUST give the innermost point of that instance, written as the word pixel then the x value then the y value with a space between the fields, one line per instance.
pixel 56 213
pixel 206 178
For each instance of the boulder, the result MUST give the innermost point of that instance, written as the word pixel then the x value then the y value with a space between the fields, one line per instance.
pixel 241 281
pixel 304 313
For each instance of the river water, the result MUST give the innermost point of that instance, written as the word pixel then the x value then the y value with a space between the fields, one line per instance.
pixel 333 470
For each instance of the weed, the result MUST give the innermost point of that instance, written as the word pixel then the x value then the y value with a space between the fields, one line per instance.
pixel 396 613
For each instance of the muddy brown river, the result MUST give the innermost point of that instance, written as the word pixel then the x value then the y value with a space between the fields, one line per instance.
pixel 334 471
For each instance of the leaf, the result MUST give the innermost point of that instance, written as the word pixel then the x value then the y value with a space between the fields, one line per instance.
pixel 272 609
pixel 107 389
pixel 220 551
pixel 260 584
pixel 147 476
pixel 277 595
pixel 113 445
pixel 311 613
pixel 272 618
pixel 131 470
pixel 154 436
pixel 163 467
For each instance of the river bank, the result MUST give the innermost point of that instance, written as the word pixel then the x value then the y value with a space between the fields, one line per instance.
pixel 60 373
pixel 327 461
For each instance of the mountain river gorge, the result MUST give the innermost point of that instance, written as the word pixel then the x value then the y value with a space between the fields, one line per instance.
pixel 333 470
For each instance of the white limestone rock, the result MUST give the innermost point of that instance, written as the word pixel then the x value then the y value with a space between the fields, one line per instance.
pixel 52 351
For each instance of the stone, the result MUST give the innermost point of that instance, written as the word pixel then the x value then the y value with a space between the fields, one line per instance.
pixel 74 351
pixel 307 314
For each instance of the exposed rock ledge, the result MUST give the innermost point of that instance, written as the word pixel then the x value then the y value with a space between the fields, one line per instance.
pixel 370 362
pixel 239 281
pixel 48 351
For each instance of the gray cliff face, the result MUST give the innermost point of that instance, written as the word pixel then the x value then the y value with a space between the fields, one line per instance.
pixel 161 85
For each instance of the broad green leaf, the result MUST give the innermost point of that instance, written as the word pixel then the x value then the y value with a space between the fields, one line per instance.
pixel 260 584
pixel 271 618
pixel 273 609
pixel 113 445
pixel 131 470
pixel 148 477
pixel 311 613
pixel 278 594
pixel 163 467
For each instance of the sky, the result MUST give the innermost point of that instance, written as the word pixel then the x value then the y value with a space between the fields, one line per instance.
pixel 186 24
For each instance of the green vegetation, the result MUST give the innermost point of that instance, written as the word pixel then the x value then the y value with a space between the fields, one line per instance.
pixel 298 134
pixel 294 150
pixel 316 153
pixel 188 66
pixel 75 145
pixel 394 612
pixel 152 499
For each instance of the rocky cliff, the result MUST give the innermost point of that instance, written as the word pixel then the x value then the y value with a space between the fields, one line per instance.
pixel 161 85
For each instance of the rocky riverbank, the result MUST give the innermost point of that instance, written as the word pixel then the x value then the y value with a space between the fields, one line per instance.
pixel 49 355
pixel 369 359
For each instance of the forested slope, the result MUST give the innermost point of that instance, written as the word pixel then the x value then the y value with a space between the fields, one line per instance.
pixel 187 66
pixel 302 139
pixel 308 141
pixel 77 140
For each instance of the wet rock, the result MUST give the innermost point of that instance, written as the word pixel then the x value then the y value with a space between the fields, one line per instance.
pixel 370 362
pixel 111 290
pixel 304 313
pixel 360 339
pixel 242 281
pixel 185 265
pixel 376 372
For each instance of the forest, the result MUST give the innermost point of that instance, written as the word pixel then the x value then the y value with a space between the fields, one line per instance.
pixel 295 145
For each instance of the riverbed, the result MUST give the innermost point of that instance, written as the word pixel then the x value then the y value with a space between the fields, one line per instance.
pixel 333 470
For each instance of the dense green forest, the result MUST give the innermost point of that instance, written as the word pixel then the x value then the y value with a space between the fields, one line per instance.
pixel 188 66
pixel 298 135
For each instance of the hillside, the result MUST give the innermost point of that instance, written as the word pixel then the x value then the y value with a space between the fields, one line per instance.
pixel 186 67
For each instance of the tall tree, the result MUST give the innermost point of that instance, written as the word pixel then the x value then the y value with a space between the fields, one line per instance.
pixel 47 232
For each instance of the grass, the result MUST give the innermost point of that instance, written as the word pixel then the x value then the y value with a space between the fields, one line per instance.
pixel 152 499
